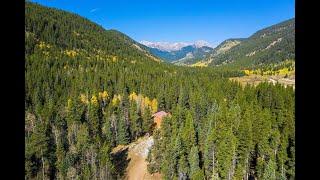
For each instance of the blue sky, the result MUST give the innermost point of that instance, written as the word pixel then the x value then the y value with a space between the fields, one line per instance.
pixel 181 20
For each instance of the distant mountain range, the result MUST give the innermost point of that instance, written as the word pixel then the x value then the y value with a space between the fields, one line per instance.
pixel 167 46
pixel 273 44
pixel 180 52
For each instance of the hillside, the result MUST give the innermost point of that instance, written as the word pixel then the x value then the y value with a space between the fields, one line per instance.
pixel 220 49
pixel 269 45
pixel 70 31
pixel 89 91
pixel 192 54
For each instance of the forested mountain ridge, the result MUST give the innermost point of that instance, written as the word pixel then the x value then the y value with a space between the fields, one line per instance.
pixel 193 55
pixel 70 31
pixel 220 49
pixel 88 90
pixel 270 45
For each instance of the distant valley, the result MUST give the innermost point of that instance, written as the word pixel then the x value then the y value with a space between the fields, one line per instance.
pixel 179 53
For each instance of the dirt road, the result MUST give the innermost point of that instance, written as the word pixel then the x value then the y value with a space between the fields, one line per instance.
pixel 137 154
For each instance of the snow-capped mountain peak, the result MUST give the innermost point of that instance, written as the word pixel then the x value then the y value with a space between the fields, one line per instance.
pixel 167 46
pixel 202 43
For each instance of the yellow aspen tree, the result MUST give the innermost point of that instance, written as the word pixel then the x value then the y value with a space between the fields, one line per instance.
pixel 154 105
pixel 147 102
pixel 84 99
pixel 103 95
pixel 94 100
pixel 133 96
pixel 114 100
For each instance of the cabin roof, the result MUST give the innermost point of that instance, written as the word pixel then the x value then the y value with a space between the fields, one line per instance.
pixel 159 114
pixel 158 117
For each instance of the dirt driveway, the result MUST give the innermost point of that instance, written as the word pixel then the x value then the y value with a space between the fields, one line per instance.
pixel 137 154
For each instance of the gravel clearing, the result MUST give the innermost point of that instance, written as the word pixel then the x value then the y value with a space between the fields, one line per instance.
pixel 142 148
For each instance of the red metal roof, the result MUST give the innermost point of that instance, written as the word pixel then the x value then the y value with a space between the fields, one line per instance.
pixel 159 114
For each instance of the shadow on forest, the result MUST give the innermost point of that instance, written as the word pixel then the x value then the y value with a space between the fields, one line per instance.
pixel 120 161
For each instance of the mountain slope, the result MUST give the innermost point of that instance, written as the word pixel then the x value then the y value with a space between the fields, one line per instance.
pixel 270 45
pixel 220 49
pixel 192 54
pixel 70 31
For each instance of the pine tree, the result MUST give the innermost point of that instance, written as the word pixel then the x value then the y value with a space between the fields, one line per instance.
pixel 194 162
pixel 262 127
pixel 136 120
pixel 107 129
pixel 123 133
pixel 245 144
pixel 107 168
pixel 83 138
pixel 209 154
pixel 61 162
pixel 188 132
pixel 156 153
pixel 270 171
pixel 94 120
pixel 169 163
pixel 183 169
pixel 37 148
pixel 147 120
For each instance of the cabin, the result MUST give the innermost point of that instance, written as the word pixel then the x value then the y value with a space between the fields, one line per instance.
pixel 157 118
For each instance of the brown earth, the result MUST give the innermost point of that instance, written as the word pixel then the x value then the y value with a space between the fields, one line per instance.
pixel 136 164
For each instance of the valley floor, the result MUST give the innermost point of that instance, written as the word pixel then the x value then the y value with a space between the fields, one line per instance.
pixel 136 164
pixel 256 79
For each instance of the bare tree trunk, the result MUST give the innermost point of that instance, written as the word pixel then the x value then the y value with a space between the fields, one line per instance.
pixel 213 173
pixel 231 171
pixel 101 173
pixel 115 127
pixel 56 133
pixel 93 164
pixel 69 139
pixel 247 168
pixel 42 164
pixel 282 170
pixel 106 172
pixel 32 125
pixel 126 116
pixel 76 130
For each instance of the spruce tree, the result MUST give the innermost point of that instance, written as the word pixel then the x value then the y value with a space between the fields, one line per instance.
pixel 194 162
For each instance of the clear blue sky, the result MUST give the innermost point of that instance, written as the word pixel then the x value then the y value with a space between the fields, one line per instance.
pixel 181 20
